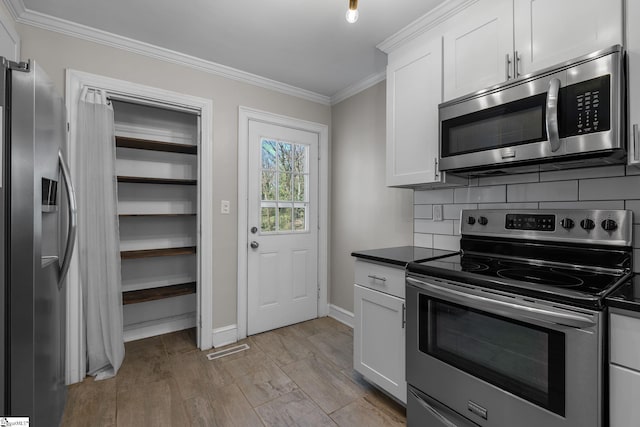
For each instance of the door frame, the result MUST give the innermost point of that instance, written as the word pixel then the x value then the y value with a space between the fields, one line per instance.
pixel 75 82
pixel 246 114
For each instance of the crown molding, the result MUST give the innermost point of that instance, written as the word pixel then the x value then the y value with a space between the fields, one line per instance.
pixel 424 24
pixel 358 87
pixel 36 19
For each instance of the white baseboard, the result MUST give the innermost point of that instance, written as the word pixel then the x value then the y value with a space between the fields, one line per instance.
pixel 165 325
pixel 341 315
pixel 225 335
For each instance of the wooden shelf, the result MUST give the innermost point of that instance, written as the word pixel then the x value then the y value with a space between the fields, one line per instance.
pixel 155 215
pixel 145 144
pixel 150 253
pixel 147 180
pixel 144 295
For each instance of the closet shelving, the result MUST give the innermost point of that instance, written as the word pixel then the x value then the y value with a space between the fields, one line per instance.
pixel 156 166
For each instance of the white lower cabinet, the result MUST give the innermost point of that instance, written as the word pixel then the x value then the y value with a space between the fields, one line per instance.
pixel 379 338
pixel 624 368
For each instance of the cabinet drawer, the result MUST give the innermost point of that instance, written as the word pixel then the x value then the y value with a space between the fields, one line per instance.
pixel 625 341
pixel 383 278
pixel 625 387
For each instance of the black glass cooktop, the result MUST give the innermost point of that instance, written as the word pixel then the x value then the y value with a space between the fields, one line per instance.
pixel 553 281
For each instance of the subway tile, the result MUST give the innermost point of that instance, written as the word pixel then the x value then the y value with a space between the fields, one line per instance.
pixel 423 211
pixel 474 182
pixel 634 205
pixel 456 228
pixel 451 243
pixel 582 173
pixel 543 191
pixel 636 260
pixel 626 187
pixel 495 193
pixel 636 236
pixel 591 204
pixel 423 240
pixel 433 227
pixel 453 211
pixel 425 197
pixel 519 178
pixel 520 205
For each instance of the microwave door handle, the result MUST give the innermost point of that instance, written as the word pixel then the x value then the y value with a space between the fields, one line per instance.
pixel 552 114
pixel 509 309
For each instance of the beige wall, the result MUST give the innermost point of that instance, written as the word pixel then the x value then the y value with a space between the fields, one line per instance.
pixel 56 52
pixel 365 214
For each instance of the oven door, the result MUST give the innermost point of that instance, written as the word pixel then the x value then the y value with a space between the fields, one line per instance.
pixel 503 361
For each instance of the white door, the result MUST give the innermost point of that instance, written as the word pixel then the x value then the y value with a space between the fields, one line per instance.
pixel 548 32
pixel 478 50
pixel 413 94
pixel 282 226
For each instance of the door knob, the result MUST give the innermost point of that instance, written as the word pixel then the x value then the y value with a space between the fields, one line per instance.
pixel 254 245
pixel 254 230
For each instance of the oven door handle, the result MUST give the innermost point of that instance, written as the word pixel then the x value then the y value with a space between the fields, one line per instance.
pixel 551 118
pixel 433 411
pixel 509 309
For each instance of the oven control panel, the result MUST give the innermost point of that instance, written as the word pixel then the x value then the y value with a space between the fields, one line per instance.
pixel 530 222
pixel 597 226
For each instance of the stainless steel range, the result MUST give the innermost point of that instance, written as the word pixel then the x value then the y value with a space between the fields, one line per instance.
pixel 510 332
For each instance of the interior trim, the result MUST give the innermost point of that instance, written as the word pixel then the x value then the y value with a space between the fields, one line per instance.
pixel 26 16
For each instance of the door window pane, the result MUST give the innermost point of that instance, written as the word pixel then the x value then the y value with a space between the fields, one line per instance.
pixel 268 154
pixel 268 219
pixel 299 188
pixel 284 187
pixel 300 164
pixel 284 156
pixel 284 219
pixel 268 185
pixel 299 219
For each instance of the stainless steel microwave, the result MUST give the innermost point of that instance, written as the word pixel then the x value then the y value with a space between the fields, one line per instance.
pixel 570 115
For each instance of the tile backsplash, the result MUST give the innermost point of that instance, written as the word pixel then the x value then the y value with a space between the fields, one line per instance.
pixel 607 187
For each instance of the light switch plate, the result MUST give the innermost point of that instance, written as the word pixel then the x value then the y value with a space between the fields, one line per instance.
pixel 225 207
pixel 437 212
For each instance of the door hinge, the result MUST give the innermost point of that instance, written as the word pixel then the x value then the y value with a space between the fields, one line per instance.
pixel 68 127
pixel 404 316
pixel 318 290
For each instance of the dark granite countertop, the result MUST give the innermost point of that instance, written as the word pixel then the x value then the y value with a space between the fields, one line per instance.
pixel 401 255
pixel 627 296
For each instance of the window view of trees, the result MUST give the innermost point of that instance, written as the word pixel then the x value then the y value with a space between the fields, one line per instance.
pixel 285 175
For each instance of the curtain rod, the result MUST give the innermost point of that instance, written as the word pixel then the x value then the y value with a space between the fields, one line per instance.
pixel 140 100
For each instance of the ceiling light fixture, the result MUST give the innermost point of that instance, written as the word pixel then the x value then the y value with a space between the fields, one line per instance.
pixel 352 12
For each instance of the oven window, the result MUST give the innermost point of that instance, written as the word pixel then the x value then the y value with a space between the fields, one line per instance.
pixel 515 123
pixel 523 359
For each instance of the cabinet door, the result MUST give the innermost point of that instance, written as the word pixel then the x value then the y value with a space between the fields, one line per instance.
pixel 414 78
pixel 633 76
pixel 478 49
pixel 548 32
pixel 624 391
pixel 378 338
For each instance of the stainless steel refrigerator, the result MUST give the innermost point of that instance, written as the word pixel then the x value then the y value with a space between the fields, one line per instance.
pixel 37 229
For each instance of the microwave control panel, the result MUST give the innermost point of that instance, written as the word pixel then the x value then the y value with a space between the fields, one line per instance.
pixel 584 107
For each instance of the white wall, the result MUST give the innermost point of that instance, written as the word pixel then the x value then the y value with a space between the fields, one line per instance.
pixel 56 52
pixel 607 187
pixel 365 214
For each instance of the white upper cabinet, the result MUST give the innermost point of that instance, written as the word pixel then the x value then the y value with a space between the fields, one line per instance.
pixel 414 78
pixel 492 41
pixel 633 76
pixel 548 32
pixel 478 48
pixel 9 39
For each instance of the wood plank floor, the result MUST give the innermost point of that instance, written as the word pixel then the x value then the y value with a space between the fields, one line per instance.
pixel 301 375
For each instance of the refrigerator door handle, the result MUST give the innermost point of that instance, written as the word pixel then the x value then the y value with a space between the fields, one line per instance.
pixel 73 220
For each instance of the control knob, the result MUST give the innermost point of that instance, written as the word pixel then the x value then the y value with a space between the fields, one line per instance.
pixel 471 220
pixel 567 223
pixel 609 225
pixel 587 224
pixel 483 220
